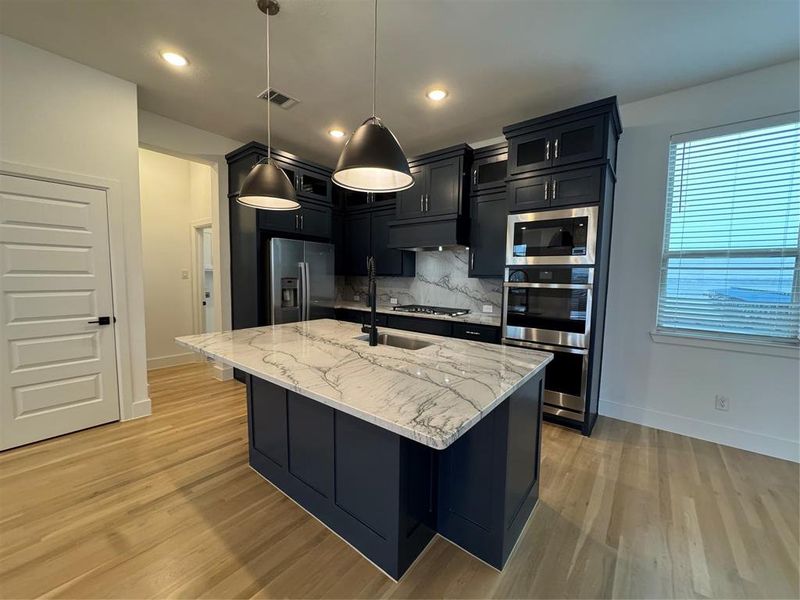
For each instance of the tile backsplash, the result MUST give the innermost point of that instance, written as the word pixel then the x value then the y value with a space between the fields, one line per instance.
pixel 441 280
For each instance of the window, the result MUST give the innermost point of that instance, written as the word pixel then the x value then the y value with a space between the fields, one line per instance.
pixel 730 261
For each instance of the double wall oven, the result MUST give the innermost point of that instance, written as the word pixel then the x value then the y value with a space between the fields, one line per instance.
pixel 547 298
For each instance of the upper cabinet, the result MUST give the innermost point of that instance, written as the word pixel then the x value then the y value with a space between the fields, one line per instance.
pixel 440 184
pixel 578 135
pixel 489 168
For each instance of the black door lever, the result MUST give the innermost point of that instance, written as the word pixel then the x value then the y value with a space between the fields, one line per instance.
pixel 101 321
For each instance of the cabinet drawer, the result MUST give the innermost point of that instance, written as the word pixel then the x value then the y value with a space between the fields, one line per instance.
pixel 478 333
pixel 352 315
pixel 431 326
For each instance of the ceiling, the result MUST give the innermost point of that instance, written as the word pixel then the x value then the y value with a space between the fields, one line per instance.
pixel 501 60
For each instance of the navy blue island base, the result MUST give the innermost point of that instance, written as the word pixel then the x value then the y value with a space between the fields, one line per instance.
pixel 388 495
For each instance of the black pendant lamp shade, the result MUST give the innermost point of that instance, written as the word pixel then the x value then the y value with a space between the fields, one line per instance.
pixel 268 187
pixel 373 161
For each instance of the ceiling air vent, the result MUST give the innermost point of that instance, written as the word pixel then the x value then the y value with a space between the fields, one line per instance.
pixel 278 99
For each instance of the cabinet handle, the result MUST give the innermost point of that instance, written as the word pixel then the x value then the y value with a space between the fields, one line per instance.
pixel 556 149
pixel 296 222
pixel 427 202
pixel 422 203
pixel 302 221
pixel 547 150
pixel 475 177
pixel 472 259
pixel 555 187
pixel 468 332
pixel 301 182
pixel 546 188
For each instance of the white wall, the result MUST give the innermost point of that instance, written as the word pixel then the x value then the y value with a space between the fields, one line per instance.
pixel 68 121
pixel 175 195
pixel 667 386
pixel 166 135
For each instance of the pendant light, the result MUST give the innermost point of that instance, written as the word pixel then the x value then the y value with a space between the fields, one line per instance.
pixel 372 159
pixel 267 186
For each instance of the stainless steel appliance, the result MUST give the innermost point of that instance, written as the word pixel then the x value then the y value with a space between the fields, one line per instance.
pixel 550 305
pixel 552 237
pixel 301 281
pixel 432 310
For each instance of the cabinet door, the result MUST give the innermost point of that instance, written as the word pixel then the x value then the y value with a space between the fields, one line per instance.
pixel 388 261
pixel 279 220
pixel 409 202
pixel 489 172
pixel 315 221
pixel 530 152
pixel 337 239
pixel 580 186
pixel 354 200
pixel 314 186
pixel 487 245
pixel 531 192
pixel 356 243
pixel 443 187
pixel 578 141
pixel 386 200
pixel 290 170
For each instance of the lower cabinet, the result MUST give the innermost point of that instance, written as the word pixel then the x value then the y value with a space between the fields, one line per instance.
pixel 456 329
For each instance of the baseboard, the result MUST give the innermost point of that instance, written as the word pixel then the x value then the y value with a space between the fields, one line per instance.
pixel 711 432
pixel 141 408
pixel 222 372
pixel 159 362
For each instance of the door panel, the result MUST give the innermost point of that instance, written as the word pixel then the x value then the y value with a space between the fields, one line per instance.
pixel 322 289
pixel 356 243
pixel 315 221
pixel 443 187
pixel 57 370
pixel 581 186
pixel 575 142
pixel 529 152
pixel 487 249
pixel 409 202
pixel 388 261
pixel 528 193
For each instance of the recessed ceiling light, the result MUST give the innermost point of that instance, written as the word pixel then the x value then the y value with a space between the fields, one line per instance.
pixel 336 133
pixel 174 59
pixel 437 94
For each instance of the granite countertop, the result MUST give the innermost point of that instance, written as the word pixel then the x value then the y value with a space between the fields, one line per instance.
pixel 432 395
pixel 473 317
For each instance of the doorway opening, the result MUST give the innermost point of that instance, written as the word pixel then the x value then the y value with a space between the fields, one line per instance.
pixel 177 239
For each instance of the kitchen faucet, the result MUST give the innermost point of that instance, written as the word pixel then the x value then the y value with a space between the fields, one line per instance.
pixel 373 303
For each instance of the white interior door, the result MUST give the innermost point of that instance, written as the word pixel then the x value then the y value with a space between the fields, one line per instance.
pixel 57 368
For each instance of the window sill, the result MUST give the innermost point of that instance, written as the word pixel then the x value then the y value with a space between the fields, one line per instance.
pixel 714 343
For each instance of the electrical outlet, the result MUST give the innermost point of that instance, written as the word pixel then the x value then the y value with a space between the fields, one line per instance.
pixel 356 297
pixel 487 308
pixel 722 402
pixel 392 300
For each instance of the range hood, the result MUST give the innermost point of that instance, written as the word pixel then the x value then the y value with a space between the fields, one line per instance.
pixel 431 234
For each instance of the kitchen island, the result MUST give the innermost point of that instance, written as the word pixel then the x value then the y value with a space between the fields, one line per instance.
pixel 387 445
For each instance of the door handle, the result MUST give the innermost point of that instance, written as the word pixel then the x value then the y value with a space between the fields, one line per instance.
pixel 546 187
pixel 475 177
pixel 547 150
pixel 555 185
pixel 427 202
pixel 101 321
pixel 302 221
pixel 296 226
pixel 422 203
pixel 472 259
pixel 556 149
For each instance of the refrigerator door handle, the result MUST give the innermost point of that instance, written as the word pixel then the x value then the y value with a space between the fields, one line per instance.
pixel 307 292
pixel 301 281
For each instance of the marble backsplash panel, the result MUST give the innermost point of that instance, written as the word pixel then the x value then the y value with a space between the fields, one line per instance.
pixel 441 280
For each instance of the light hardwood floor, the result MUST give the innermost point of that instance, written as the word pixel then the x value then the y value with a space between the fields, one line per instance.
pixel 167 507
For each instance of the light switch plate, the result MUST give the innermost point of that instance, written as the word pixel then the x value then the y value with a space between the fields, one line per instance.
pixel 392 300
pixel 185 274
pixel 487 308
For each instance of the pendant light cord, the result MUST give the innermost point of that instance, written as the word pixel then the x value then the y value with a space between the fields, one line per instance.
pixel 374 58
pixel 269 102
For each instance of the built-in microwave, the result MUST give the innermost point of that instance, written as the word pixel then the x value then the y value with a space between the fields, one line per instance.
pixel 552 237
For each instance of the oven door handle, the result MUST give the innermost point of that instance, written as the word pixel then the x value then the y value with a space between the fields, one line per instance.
pixel 545 347
pixel 549 286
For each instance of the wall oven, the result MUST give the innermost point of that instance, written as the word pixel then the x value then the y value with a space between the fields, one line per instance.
pixel 549 305
pixel 552 237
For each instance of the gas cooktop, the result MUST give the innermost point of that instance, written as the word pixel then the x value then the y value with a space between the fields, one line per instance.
pixel 432 310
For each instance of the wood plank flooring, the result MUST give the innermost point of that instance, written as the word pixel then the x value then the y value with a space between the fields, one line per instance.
pixel 167 506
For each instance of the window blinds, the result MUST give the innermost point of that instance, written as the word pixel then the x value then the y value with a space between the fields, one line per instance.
pixel 730 257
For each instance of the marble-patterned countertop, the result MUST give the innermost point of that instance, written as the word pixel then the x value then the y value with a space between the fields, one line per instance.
pixel 472 317
pixel 432 395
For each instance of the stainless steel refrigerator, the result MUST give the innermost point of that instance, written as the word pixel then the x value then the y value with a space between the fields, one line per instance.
pixel 301 281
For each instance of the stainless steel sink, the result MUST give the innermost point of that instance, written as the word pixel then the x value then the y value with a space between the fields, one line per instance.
pixel 398 341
